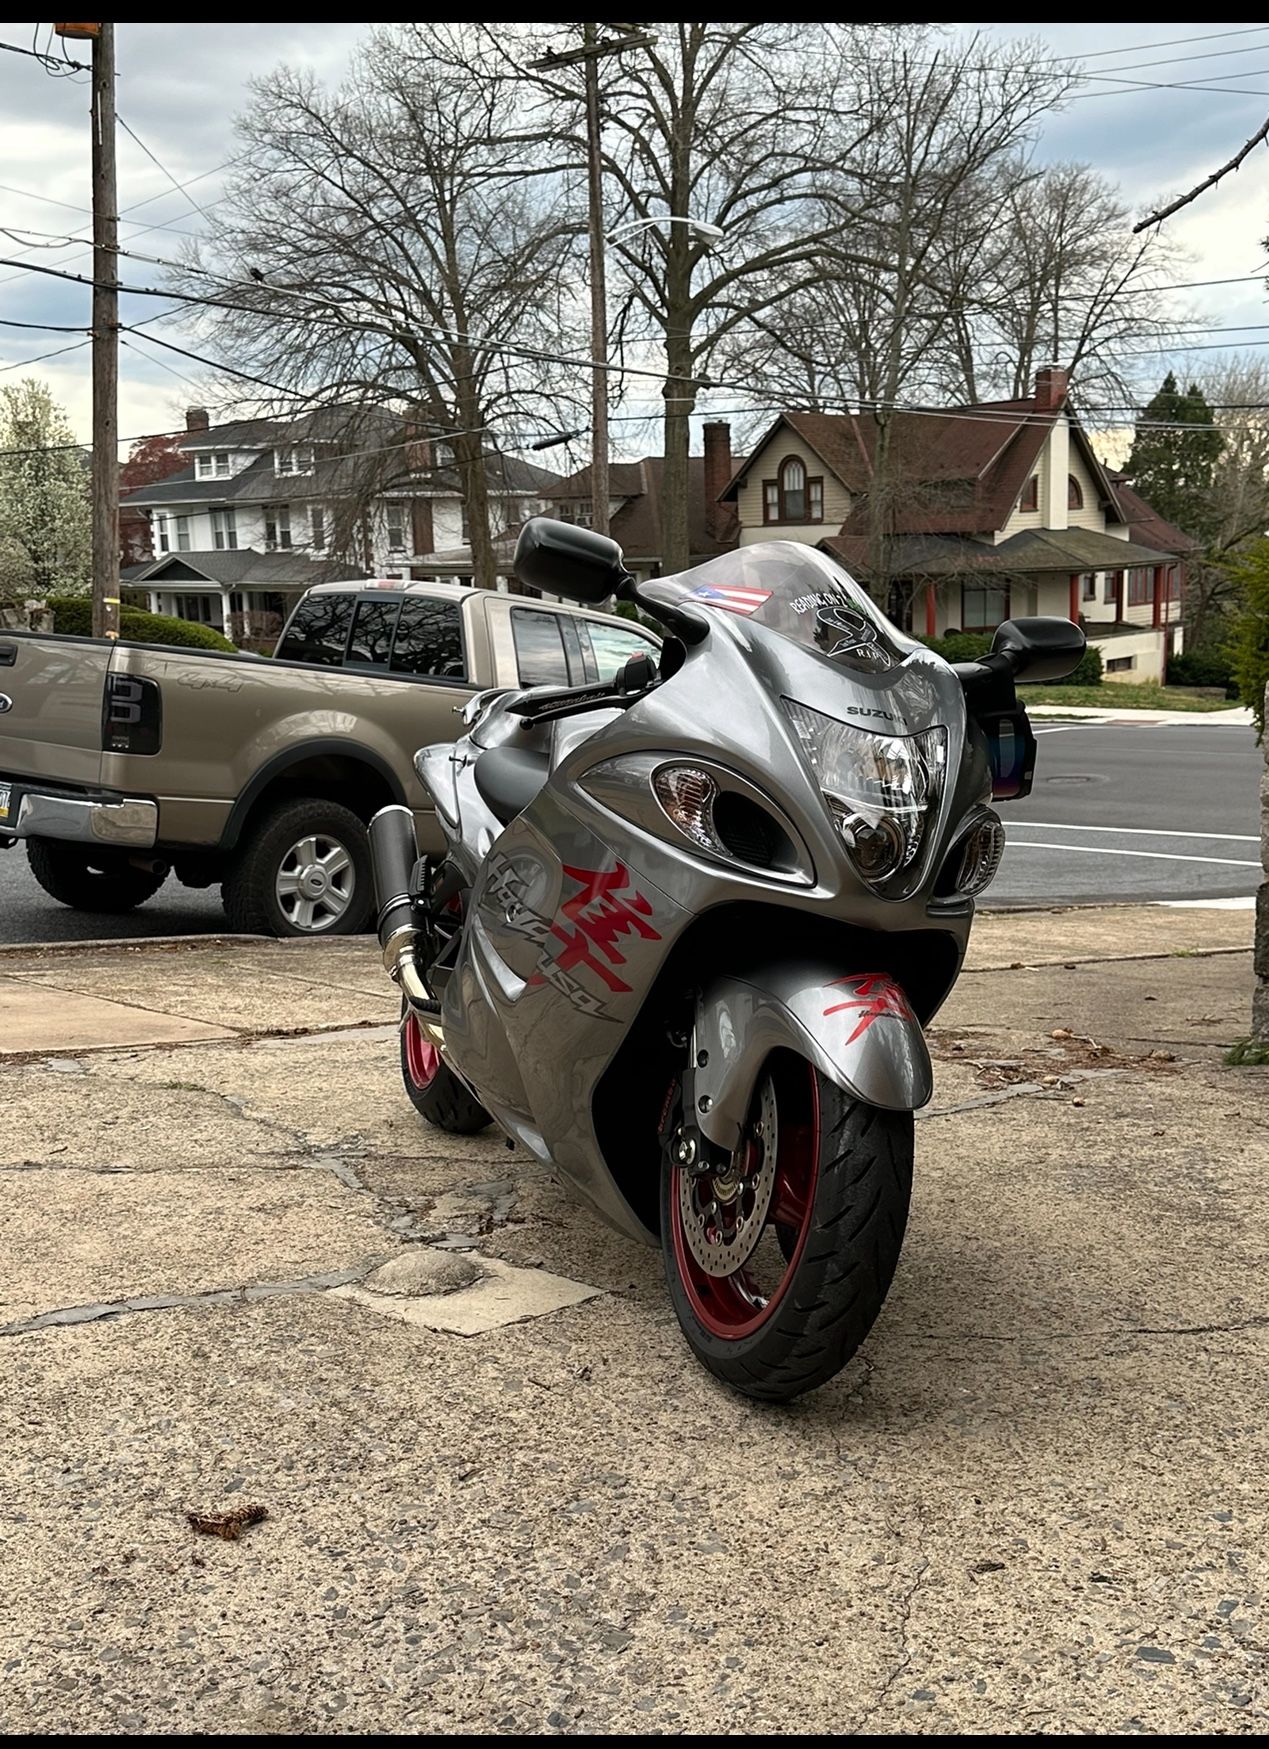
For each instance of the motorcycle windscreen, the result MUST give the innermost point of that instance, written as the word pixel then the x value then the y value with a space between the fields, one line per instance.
pixel 802 594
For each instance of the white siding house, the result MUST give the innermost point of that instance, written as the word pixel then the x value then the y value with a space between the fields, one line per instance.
pixel 265 509
pixel 992 511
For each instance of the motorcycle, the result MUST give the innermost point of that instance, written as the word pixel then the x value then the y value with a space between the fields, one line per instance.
pixel 691 922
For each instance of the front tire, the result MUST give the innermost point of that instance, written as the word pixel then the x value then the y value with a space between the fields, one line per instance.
pixel 303 869
pixel 779 1264
pixel 434 1089
pixel 91 880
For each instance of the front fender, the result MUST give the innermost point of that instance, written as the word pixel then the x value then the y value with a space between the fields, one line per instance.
pixel 858 1029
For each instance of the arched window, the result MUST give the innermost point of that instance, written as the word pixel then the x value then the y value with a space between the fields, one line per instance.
pixel 1074 493
pixel 1030 499
pixel 791 497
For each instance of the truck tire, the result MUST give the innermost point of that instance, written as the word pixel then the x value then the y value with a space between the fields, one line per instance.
pixel 88 879
pixel 302 868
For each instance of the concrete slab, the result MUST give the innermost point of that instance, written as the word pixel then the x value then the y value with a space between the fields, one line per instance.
pixel 1194 1004
pixel 77 1238
pixel 505 1295
pixel 213 988
pixel 1003 938
pixel 47 1017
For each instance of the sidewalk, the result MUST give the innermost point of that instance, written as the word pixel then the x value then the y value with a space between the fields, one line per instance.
pixel 1035 1503
pixel 1237 717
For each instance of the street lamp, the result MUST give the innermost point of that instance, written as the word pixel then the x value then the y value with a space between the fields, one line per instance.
pixel 699 227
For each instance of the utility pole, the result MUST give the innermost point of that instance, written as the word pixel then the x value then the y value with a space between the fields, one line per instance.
pixel 105 475
pixel 592 51
pixel 598 290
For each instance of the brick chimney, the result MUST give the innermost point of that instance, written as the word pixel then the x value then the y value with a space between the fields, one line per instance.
pixel 196 419
pixel 718 472
pixel 1051 384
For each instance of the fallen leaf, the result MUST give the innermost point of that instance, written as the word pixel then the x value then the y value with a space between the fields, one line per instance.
pixel 229 1526
pixel 1062 1032
pixel 1077 1102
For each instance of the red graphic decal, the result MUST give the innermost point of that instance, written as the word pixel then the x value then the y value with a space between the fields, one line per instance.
pixel 619 909
pixel 877 997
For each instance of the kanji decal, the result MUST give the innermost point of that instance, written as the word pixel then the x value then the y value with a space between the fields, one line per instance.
pixel 874 997
pixel 590 924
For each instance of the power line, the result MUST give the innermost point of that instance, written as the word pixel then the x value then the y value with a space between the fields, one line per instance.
pixel 47 61
pixel 1168 43
pixel 159 165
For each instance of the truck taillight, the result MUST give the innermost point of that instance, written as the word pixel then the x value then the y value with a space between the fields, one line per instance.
pixel 132 715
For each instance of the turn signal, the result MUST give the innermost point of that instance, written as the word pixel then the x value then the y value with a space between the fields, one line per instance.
pixel 980 851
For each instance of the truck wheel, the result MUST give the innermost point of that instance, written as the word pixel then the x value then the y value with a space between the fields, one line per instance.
pixel 303 868
pixel 88 879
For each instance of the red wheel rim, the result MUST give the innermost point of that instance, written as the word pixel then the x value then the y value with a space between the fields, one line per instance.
pixel 422 1059
pixel 734 1306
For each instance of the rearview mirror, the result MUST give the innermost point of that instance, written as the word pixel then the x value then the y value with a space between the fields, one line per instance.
pixel 562 559
pixel 1039 649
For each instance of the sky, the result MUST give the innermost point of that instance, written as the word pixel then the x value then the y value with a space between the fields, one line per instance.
pixel 181 84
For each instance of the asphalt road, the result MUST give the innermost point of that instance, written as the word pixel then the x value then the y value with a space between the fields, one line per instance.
pixel 1119 812
pixel 1125 811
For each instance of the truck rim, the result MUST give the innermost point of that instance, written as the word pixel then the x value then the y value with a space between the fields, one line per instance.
pixel 315 882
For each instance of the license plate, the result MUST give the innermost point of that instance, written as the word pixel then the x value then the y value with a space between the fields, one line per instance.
pixel 4 801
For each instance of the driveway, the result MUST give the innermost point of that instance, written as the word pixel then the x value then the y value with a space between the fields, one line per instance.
pixel 1035 1502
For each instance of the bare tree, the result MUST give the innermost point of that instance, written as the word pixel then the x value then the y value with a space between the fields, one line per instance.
pixel 1067 284
pixel 396 244
pixel 1237 392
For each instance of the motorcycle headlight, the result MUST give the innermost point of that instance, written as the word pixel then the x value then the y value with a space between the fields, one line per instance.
pixel 880 789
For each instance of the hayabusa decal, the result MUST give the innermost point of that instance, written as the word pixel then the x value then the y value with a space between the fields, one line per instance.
pixel 875 997
pixel 605 907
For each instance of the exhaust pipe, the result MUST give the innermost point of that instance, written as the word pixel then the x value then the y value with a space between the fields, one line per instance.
pixel 394 850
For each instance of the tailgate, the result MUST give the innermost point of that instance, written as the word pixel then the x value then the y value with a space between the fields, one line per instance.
pixel 52 727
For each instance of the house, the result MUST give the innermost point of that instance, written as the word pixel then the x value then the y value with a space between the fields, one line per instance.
pixel 634 503
pixel 265 508
pixel 985 512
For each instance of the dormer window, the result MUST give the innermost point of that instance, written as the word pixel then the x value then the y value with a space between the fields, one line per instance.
pixel 212 466
pixel 791 497
pixel 1074 493
pixel 1030 499
pixel 297 459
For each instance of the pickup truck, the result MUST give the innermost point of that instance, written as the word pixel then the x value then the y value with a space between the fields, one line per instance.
pixel 122 763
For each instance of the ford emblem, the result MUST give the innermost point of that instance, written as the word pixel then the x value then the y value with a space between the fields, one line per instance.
pixel 6 703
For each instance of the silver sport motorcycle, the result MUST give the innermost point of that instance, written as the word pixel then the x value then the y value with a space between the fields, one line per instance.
pixel 690 924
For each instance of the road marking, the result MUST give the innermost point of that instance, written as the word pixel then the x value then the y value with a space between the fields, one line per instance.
pixel 1131 831
pixel 1246 903
pixel 1153 855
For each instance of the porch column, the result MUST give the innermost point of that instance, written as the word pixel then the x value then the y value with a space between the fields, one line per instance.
pixel 224 613
pixel 931 618
pixel 152 596
pixel 1121 603
pixel 1156 617
pixel 1074 614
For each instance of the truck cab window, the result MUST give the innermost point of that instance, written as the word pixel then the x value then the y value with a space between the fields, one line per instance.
pixel 373 625
pixel 429 639
pixel 540 657
pixel 318 631
pixel 613 645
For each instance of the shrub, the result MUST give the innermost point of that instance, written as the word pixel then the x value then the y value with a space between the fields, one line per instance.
pixel 73 615
pixel 971 646
pixel 1203 668
pixel 1250 644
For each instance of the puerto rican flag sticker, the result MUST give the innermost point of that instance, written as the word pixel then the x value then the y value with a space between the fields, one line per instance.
pixel 732 597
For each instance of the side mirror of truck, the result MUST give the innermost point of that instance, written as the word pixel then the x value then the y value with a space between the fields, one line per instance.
pixel 562 559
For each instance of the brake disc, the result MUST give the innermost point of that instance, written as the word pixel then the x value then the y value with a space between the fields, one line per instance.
pixel 723 1213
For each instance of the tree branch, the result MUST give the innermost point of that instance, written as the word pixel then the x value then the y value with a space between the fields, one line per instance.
pixel 1185 199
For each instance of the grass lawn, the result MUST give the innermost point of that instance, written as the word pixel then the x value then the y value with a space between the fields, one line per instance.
pixel 1147 697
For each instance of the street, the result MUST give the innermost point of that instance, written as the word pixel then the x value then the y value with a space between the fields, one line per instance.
pixel 1120 811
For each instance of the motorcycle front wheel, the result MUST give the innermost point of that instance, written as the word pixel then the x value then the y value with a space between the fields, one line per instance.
pixel 779 1260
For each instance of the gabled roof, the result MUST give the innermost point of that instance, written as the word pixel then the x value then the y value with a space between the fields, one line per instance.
pixel 242 567
pixel 334 476
pixel 636 525
pixel 957 470
pixel 1145 523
